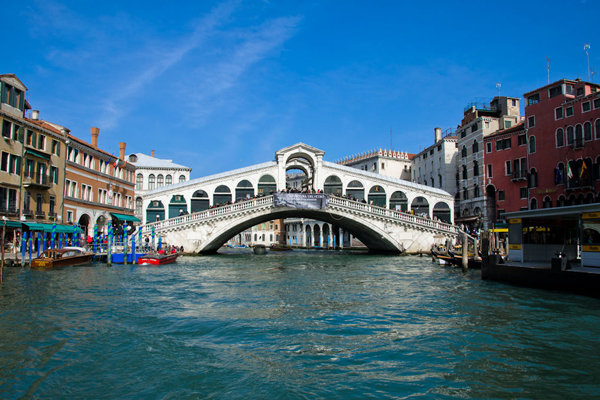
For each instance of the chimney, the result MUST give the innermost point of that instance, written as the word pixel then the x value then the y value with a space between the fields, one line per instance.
pixel 438 134
pixel 95 133
pixel 35 115
pixel 152 153
pixel 122 146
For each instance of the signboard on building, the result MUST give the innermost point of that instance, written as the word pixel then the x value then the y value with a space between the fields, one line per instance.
pixel 310 201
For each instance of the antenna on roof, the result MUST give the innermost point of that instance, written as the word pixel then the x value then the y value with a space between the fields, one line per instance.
pixel 498 86
pixel 391 147
pixel 592 73
pixel 586 47
pixel 548 67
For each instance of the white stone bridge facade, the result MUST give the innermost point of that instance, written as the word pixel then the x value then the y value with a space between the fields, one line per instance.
pixel 396 215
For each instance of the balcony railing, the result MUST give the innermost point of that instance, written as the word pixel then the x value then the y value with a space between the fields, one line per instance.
pixel 28 213
pixel 519 175
pixel 9 209
pixel 582 183
pixel 40 214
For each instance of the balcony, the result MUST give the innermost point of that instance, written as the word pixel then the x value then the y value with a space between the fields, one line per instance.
pixel 40 214
pixel 577 144
pixel 519 176
pixel 10 209
pixel 52 215
pixel 579 184
pixel 36 182
pixel 28 213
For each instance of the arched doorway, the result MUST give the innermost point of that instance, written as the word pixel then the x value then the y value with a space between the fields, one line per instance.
pixel 84 224
pixel 333 185
pixel 399 201
pixel 326 236
pixel 317 235
pixel 308 236
pixel 222 195
pixel 155 211
pixel 377 196
pixel 266 185
pixel 355 190
pixel 177 206
pixel 420 206
pixel 200 201
pixel 441 211
pixel 244 190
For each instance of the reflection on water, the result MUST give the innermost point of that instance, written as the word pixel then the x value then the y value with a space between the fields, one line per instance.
pixel 291 325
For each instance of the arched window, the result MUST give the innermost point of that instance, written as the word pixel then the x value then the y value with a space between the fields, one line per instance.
pixel 579 136
pixel 533 178
pixel 475 147
pixel 547 202
pixel 476 191
pixel 475 169
pixel 587 131
pixel 531 144
pixel 560 137
pixel 168 180
pixel 570 136
pixel 159 181
pixel 151 180
pixel 533 205
pixel 139 182
pixel 464 174
pixel 561 201
pixel 598 129
pixel 181 178
pixel 559 174
pixel 465 194
pixel 138 206
pixel 464 152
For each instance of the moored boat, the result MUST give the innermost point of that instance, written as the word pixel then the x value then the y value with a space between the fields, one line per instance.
pixel 65 257
pixel 157 259
pixel 280 247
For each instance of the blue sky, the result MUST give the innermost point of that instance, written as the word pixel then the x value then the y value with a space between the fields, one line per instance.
pixel 221 85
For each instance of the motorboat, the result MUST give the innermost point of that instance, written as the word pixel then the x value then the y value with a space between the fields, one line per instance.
pixel 65 257
pixel 157 259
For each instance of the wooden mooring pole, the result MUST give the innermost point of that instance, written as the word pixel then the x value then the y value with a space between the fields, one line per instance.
pixel 465 252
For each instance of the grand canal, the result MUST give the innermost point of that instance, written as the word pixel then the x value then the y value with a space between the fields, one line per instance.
pixel 291 325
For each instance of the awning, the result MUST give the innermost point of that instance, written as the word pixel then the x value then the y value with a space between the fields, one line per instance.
pixel 125 217
pixel 48 227
pixel 37 154
pixel 11 224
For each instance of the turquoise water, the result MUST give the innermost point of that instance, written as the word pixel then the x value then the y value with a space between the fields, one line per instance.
pixel 291 326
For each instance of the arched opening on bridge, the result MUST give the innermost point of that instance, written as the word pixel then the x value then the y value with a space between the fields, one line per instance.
pixel 333 185
pixel 308 236
pixel 222 195
pixel 84 223
pixel 441 211
pixel 244 190
pixel 155 211
pixel 420 206
pixel 100 224
pixel 377 196
pixel 355 190
pixel 326 236
pixel 299 169
pixel 490 194
pixel 317 235
pixel 399 201
pixel 200 201
pixel 266 185
pixel 177 206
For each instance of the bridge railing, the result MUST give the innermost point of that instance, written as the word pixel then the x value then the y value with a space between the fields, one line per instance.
pixel 267 201
pixel 394 214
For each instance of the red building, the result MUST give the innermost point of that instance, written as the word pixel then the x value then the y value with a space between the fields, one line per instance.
pixel 563 132
pixel 553 158
pixel 506 171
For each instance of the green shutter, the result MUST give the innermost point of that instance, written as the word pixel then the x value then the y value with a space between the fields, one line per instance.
pixel 19 171
pixel 33 138
pixel 21 134
pixel 22 101
pixel 58 148
pixel 2 100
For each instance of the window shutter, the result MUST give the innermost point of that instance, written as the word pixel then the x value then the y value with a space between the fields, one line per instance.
pixel 21 134
pixel 18 164
pixel 58 148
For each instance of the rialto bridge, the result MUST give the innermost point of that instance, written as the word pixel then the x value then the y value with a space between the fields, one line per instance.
pixel 395 216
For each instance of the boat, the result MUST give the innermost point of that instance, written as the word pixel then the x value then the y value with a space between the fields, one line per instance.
pixel 259 249
pixel 280 247
pixel 157 259
pixel 65 257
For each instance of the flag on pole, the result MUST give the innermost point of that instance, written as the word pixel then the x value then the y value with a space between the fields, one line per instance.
pixel 583 170
pixel 116 163
pixel 569 172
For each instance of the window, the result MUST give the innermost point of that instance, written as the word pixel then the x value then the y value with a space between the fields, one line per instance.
pixel 507 124
pixel 168 180
pixel 560 137
pixel 39 203
pixel 533 99
pixel 585 107
pixel 531 121
pixel 522 140
pixel 475 168
pixel 556 91
pixel 151 179
pixel 598 129
pixel 159 181
pixel 578 136
pixel 570 136
pixel 533 178
pixel 597 103
pixel 587 131
pixel 569 112
pixel 475 147
pixel 42 142
pixel 558 113
pixel 531 144
pixel 464 173
pixel 70 216
pixel 507 168
pixel 181 178
pixel 559 174
pixel 513 102
pixel 465 194
pixel 523 192
pixel 27 201
pixel 488 147
pixel 490 171
pixel 533 204
pixel 474 127
pixel 501 195
pixel 464 152
pixel 54 175
pixel 463 133
pixel 580 91
pixel 476 191
pixel 139 182
pixel 382 165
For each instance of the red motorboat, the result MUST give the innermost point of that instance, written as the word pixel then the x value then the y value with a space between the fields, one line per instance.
pixel 157 259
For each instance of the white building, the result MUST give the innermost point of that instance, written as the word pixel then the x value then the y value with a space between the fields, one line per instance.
pixel 435 166
pixel 153 173
pixel 392 163
pixel 481 118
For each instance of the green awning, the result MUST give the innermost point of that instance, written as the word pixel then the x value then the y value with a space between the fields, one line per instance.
pixel 48 228
pixel 12 224
pixel 125 217
pixel 37 154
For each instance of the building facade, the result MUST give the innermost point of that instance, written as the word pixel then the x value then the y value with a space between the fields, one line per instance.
pixel 99 187
pixel 153 173
pixel 392 163
pixel 482 117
